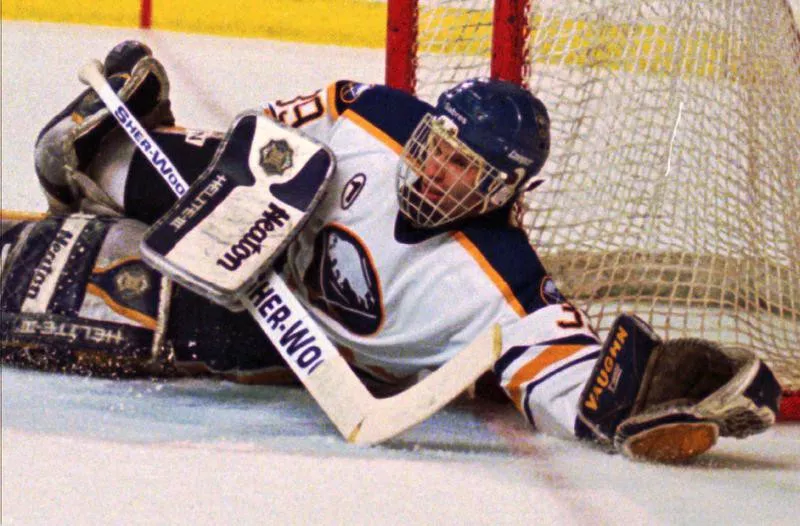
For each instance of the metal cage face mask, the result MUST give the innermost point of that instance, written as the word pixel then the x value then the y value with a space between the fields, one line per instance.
pixel 440 179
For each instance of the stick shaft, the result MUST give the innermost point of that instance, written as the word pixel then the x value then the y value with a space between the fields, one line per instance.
pixel 279 314
pixel 359 417
pixel 91 74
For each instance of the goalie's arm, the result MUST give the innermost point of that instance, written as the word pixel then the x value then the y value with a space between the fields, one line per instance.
pixel 664 401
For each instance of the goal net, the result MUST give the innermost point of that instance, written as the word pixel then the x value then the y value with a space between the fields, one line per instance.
pixel 673 183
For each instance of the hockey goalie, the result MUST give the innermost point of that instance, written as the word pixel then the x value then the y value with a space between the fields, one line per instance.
pixel 407 256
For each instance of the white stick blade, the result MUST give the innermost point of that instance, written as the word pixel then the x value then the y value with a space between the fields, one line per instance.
pixel 341 395
pixel 391 416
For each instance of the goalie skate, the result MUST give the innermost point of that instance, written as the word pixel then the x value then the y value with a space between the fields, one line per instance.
pixel 243 211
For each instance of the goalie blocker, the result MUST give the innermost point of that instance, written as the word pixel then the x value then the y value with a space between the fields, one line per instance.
pixel 670 401
pixel 259 190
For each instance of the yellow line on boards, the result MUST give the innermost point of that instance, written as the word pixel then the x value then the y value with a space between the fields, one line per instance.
pixel 355 23
pixel 630 47
pixel 118 13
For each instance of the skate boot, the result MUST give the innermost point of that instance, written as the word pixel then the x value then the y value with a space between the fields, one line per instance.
pixel 69 142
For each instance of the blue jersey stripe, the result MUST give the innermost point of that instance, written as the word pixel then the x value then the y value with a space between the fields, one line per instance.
pixel 575 339
pixel 508 358
pixel 510 254
pixel 515 352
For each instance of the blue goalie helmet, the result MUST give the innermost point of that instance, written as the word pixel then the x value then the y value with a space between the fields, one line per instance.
pixel 484 143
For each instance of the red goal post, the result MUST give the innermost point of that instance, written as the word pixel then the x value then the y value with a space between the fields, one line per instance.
pixel 674 177
pixel 509 36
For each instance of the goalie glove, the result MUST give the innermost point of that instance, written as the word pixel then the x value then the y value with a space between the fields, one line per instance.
pixel 670 401
pixel 71 140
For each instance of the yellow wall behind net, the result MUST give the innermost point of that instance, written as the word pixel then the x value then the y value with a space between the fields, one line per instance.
pixel 360 23
pixel 116 13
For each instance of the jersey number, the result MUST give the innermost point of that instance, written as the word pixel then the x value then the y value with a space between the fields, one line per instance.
pixel 300 110
pixel 575 322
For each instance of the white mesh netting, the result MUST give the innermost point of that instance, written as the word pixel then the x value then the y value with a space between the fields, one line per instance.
pixel 674 179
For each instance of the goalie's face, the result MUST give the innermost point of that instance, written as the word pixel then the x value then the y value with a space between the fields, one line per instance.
pixel 441 180
pixel 449 177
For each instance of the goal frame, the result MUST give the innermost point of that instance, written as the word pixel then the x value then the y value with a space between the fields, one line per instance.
pixel 509 58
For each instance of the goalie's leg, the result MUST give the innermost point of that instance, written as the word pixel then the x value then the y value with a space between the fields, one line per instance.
pixel 76 297
pixel 85 162
pixel 669 401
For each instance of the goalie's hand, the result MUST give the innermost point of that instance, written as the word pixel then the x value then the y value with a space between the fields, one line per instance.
pixel 669 401
pixel 237 218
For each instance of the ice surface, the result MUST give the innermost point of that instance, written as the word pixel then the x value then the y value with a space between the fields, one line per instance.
pixel 94 451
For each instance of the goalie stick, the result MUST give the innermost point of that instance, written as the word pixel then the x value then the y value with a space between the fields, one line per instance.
pixel 360 417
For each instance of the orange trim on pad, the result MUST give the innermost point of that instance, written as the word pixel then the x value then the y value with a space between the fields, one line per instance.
pixel 114 264
pixel 134 315
pixel 147 321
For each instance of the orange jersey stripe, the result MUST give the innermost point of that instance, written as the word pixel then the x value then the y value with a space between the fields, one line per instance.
pixel 269 113
pixel 332 110
pixel 528 372
pixel 496 278
pixel 373 130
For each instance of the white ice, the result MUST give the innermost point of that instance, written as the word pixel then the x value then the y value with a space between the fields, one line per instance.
pixel 92 451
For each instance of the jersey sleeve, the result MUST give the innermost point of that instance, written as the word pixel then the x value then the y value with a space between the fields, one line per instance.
pixel 549 348
pixel 547 357
pixel 316 113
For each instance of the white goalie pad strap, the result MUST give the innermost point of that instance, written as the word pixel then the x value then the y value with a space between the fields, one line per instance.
pixel 243 211
pixel 161 355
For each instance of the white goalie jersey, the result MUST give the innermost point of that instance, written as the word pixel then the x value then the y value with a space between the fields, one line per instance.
pixel 398 299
